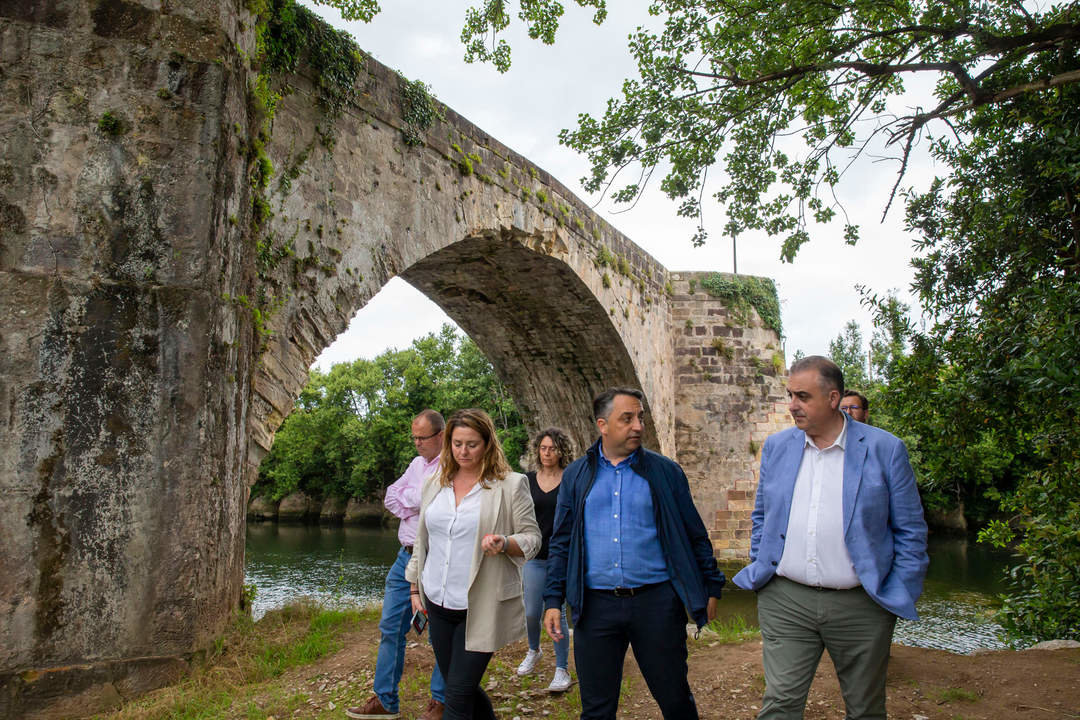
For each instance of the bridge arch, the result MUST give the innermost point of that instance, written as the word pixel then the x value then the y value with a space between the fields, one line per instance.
pixel 561 303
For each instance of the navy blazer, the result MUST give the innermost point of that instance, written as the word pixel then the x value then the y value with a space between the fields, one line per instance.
pixel 884 529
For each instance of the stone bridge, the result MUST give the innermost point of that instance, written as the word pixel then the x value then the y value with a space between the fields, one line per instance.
pixel 176 248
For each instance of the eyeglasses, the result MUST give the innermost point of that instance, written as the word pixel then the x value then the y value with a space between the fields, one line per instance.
pixel 417 438
pixel 849 408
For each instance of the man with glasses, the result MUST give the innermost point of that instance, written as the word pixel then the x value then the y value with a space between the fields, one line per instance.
pixel 403 500
pixel 855 404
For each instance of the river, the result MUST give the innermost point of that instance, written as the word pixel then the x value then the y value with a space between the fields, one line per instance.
pixel 349 565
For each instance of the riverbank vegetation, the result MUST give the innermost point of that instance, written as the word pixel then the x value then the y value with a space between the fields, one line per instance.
pixel 244 673
pixel 348 435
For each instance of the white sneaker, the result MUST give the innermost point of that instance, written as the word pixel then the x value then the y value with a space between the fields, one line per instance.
pixel 529 663
pixel 561 682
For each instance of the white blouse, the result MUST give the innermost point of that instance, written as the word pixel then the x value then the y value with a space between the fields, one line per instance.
pixel 451 543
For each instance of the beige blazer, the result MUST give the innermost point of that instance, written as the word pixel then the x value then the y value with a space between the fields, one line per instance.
pixel 496 601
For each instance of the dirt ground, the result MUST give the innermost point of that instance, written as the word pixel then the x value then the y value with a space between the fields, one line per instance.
pixel 727 681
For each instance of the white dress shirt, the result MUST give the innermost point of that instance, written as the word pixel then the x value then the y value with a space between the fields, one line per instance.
pixel 451 542
pixel 814 549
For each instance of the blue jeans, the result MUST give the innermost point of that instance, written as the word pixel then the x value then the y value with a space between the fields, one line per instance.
pixel 394 626
pixel 534 575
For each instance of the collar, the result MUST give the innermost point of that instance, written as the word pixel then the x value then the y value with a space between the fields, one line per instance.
pixel 839 442
pixel 630 459
pixel 429 464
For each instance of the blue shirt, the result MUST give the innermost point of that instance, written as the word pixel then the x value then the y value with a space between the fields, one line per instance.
pixel 622 548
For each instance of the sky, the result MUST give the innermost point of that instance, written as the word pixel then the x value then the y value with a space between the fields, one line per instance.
pixel 544 91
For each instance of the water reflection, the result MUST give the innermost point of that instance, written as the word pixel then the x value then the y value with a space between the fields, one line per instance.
pixel 333 564
pixel 286 562
pixel 959 598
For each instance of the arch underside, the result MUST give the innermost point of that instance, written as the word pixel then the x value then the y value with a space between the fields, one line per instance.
pixel 543 329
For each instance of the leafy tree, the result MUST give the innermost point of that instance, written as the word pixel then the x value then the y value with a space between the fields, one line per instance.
pixel 892 330
pixel 846 351
pixel 992 387
pixel 349 433
pixel 785 96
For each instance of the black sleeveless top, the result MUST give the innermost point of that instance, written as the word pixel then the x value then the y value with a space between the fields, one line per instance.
pixel 544 502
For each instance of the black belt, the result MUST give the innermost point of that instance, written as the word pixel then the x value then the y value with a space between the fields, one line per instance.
pixel 626 591
pixel 407 548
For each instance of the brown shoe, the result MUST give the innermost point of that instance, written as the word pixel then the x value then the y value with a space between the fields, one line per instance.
pixel 373 710
pixel 434 710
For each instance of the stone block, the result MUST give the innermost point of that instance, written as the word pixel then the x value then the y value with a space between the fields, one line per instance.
pixel 297 507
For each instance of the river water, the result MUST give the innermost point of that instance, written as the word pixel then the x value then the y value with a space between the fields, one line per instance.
pixel 348 565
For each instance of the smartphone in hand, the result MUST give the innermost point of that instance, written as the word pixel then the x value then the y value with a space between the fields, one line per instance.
pixel 419 621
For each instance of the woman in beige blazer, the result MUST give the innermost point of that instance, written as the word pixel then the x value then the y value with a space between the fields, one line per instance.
pixel 477 528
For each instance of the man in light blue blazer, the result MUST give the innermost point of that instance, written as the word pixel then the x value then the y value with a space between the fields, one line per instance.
pixel 837 550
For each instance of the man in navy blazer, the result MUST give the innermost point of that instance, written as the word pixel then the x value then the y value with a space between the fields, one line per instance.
pixel 837 550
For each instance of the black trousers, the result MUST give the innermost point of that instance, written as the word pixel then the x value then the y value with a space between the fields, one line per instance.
pixel 653 623
pixel 462 669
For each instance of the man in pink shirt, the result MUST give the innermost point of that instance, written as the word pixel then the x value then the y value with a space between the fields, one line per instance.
pixel 403 500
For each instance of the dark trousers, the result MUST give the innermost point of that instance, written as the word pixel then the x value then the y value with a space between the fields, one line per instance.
pixel 462 669
pixel 653 623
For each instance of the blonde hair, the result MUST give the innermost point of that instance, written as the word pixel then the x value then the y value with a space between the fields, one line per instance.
pixel 493 465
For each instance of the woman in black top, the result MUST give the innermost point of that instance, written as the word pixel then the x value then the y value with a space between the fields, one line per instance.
pixel 551 453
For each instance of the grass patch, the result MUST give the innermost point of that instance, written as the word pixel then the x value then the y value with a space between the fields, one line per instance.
pixel 246 661
pixel 949 695
pixel 730 631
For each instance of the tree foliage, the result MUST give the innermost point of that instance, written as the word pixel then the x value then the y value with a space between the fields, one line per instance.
pixel 783 97
pixel 846 350
pixel 991 388
pixel 349 432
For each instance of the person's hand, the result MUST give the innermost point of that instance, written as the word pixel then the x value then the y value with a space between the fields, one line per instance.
pixel 710 609
pixel 493 544
pixel 552 623
pixel 416 604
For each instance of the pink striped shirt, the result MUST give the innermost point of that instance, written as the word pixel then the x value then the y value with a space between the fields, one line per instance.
pixel 403 497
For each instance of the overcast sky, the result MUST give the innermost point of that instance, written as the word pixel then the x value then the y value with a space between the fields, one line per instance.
pixel 544 92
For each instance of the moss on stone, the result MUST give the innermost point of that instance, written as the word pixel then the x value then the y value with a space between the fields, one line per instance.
pixel 111 124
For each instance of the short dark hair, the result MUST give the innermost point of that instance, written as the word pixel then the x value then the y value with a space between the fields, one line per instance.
pixel 434 419
pixel 602 403
pixel 862 398
pixel 561 441
pixel 832 377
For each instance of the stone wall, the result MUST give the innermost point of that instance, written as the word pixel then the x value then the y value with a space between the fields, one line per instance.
pixel 730 395
pixel 123 376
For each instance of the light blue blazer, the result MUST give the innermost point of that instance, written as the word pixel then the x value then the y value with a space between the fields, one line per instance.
pixel 884 529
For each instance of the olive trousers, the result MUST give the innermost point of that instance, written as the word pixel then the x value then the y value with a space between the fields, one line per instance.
pixel 798 622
